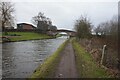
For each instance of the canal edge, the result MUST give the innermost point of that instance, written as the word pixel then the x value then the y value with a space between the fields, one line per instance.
pixel 47 69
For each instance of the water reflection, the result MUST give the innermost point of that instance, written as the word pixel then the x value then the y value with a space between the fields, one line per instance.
pixel 21 58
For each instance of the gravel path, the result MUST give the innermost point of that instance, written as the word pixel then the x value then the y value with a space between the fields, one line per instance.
pixel 67 65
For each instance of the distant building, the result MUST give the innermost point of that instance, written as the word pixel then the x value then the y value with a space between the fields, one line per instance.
pixel 52 28
pixel 42 26
pixel 25 26
pixel 9 27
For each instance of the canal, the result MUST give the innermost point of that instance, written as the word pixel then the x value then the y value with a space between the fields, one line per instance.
pixel 20 59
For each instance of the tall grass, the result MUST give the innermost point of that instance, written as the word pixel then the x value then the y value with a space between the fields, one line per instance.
pixel 86 66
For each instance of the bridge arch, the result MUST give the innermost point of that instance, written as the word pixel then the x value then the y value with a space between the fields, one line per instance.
pixel 69 32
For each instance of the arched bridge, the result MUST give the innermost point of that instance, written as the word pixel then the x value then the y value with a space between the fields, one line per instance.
pixel 69 32
pixel 64 30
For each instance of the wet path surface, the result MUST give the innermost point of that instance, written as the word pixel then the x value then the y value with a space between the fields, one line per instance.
pixel 67 65
pixel 20 59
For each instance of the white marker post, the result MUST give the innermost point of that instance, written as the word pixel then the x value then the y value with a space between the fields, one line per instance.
pixel 103 53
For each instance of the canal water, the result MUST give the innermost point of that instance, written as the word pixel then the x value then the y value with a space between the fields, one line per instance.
pixel 20 59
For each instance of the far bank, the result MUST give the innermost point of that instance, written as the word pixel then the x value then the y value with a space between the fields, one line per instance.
pixel 24 36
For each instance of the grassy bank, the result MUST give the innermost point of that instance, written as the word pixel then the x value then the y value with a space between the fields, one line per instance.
pixel 47 69
pixel 21 36
pixel 86 66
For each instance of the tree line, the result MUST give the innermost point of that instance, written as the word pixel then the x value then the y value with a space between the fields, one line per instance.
pixel 6 14
pixel 106 33
pixel 83 27
pixel 7 18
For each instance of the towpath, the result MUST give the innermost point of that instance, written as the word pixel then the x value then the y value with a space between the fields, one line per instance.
pixel 67 66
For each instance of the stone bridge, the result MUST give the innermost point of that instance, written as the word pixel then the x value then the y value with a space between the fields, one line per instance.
pixel 69 32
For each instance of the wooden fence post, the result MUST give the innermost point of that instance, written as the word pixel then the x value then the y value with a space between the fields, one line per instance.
pixel 103 54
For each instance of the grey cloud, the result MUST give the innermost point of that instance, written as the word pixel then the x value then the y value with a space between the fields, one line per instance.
pixel 63 14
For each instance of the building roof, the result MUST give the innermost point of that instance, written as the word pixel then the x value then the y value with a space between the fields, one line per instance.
pixel 26 24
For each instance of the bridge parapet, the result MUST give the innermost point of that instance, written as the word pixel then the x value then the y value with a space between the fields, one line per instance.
pixel 69 32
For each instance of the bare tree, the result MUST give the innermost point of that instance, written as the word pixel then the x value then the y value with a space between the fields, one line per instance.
pixel 41 17
pixel 108 27
pixel 109 34
pixel 102 29
pixel 6 14
pixel 49 22
pixel 97 30
pixel 83 27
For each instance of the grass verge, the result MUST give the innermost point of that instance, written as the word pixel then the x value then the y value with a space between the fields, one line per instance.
pixel 47 69
pixel 26 36
pixel 86 66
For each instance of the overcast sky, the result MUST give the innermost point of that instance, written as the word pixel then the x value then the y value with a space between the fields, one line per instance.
pixel 64 13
